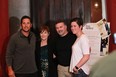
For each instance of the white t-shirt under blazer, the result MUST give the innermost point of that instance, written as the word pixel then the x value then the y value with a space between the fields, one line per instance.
pixel 79 48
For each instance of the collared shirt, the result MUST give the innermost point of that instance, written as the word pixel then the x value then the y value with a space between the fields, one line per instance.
pixel 21 53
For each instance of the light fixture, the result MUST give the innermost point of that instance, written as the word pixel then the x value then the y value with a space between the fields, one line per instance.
pixel 96 5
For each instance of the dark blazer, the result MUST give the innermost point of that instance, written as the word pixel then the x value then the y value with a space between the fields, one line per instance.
pixel 52 64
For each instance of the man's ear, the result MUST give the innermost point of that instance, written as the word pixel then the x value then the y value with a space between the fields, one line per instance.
pixel 31 25
pixel 81 27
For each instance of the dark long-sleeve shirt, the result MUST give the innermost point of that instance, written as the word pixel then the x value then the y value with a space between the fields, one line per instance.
pixel 20 53
pixel 63 48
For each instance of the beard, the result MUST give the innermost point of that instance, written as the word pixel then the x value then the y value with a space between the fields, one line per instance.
pixel 60 32
pixel 25 30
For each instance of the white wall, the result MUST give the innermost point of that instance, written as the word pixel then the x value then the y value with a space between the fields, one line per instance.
pixel 17 8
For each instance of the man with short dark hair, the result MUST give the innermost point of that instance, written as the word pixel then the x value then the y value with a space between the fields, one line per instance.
pixel 20 55
pixel 62 48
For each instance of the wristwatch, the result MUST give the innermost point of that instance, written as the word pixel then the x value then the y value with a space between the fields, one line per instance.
pixel 76 67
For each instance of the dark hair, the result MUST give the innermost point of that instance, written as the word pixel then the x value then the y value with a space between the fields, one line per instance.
pixel 104 20
pixel 79 21
pixel 43 28
pixel 24 17
pixel 60 21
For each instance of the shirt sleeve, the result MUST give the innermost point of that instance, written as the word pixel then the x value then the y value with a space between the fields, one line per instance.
pixel 10 51
pixel 85 45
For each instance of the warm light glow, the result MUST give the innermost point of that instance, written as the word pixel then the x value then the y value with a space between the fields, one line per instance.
pixel 96 5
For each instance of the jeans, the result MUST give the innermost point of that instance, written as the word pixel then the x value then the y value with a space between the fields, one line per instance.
pixel 81 73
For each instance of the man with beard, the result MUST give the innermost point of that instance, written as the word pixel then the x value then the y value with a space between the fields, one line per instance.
pixel 62 48
pixel 20 55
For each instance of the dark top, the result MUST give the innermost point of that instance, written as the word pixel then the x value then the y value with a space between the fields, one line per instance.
pixel 52 65
pixel 63 48
pixel 44 53
pixel 21 53
pixel 107 28
pixel 44 60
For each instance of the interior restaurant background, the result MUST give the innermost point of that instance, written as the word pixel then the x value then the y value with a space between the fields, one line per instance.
pixel 46 12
